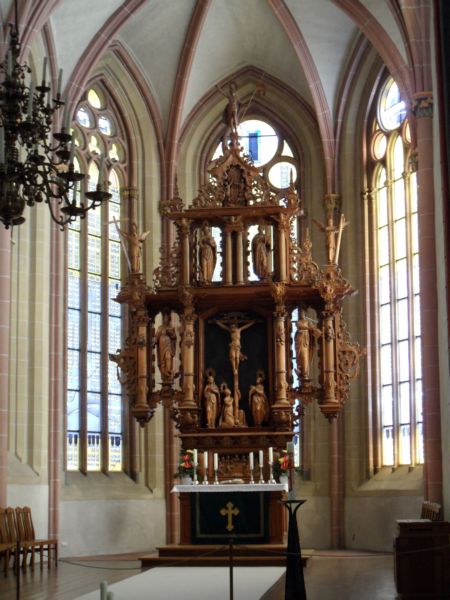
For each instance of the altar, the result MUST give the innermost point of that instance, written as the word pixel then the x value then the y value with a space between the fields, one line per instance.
pixel 245 513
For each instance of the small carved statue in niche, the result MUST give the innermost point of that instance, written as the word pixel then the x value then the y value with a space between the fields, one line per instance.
pixel 260 253
pixel 259 405
pixel 227 414
pixel 235 344
pixel 166 341
pixel 208 253
pixel 305 339
pixel 135 242
pixel 235 186
pixel 211 396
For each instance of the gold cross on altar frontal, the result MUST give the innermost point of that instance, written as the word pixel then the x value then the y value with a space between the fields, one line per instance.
pixel 229 511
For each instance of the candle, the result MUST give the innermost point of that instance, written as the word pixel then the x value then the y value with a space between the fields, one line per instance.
pixel 49 97
pixel 216 461
pixel 9 64
pixel 205 461
pixel 67 119
pixel 30 101
pixel 195 457
pixel 270 456
pixel 58 93
pixel 250 460
pixel 44 70
pixel 261 458
pixel 64 119
pixel 72 149
pixel 110 596
pixel 99 183
pixel 290 447
pixel 2 145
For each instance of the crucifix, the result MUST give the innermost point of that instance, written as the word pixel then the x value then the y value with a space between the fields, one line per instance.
pixel 230 324
pixel 229 511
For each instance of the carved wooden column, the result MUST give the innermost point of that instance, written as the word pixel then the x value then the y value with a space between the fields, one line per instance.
pixel 328 353
pixel 423 111
pixel 228 270
pixel 189 409
pixel 283 237
pixel 239 228
pixel 141 320
pixel 184 231
pixel 281 409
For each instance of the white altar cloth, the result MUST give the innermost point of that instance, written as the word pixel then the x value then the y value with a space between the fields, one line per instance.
pixel 231 487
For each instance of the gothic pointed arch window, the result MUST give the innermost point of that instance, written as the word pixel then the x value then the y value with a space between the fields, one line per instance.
pixel 395 293
pixel 94 415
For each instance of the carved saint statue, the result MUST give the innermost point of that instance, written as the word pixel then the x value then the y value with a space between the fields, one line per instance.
pixel 235 186
pixel 227 414
pixel 257 399
pixel 208 253
pixel 305 339
pixel 166 341
pixel 235 354
pixel 135 241
pixel 211 396
pixel 260 253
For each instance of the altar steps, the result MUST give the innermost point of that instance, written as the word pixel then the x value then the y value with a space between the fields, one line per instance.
pixel 261 555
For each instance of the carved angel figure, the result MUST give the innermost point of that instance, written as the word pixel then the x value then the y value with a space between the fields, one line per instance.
pixel 135 241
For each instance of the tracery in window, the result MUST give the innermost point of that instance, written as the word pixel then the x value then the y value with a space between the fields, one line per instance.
pixel 94 320
pixel 397 299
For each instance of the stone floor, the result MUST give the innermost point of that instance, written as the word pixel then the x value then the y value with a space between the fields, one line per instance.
pixel 330 575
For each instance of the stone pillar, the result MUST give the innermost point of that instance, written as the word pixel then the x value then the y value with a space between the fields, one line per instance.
pixel 423 111
pixel 5 299
pixel 336 484
pixel 129 197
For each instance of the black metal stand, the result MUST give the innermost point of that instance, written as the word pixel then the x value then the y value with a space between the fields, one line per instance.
pixel 295 581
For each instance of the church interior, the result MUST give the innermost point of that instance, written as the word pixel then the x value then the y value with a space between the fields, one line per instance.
pixel 241 283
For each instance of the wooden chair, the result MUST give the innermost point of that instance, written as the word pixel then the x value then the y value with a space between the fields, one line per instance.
pixel 41 545
pixel 7 542
pixel 431 510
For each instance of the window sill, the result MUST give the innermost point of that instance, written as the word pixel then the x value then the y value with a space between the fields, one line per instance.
pixel 400 481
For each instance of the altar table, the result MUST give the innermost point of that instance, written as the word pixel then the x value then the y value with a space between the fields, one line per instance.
pixel 247 513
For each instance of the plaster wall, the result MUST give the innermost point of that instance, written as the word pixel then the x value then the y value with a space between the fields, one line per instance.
pixel 34 496
pixel 370 522
pixel 111 526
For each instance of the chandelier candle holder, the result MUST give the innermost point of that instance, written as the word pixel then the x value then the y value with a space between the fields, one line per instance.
pixel 216 468
pixel 251 466
pixel 35 168
pixel 261 466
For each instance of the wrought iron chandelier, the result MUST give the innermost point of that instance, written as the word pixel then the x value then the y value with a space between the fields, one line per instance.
pixel 35 168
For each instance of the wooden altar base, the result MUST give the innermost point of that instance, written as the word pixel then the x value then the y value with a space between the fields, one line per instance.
pixel 213 555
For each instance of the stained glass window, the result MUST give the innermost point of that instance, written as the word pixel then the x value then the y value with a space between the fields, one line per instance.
pixel 397 289
pixel 94 326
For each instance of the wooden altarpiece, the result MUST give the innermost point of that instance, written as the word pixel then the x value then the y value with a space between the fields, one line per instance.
pixel 226 370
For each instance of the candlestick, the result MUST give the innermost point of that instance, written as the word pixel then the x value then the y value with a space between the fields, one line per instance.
pixel 205 468
pixel 195 463
pixel 261 465
pixel 216 468
pixel 103 590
